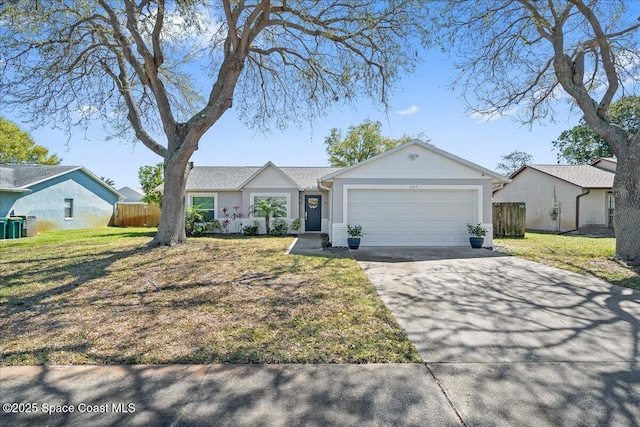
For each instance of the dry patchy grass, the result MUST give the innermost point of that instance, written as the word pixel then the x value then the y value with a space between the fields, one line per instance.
pixel 592 256
pixel 102 297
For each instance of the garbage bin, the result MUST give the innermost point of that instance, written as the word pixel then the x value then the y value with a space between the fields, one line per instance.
pixel 29 225
pixel 14 229
pixel 3 228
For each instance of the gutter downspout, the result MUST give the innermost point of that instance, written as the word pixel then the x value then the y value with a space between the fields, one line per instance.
pixel 577 212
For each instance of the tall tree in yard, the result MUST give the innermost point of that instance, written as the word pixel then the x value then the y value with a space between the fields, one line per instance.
pixel 142 66
pixel 361 142
pixel 17 146
pixel 523 55
pixel 580 144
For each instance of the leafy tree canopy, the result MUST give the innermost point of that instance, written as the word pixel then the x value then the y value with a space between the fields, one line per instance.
pixel 150 177
pixel 361 142
pixel 16 146
pixel 514 161
pixel 581 145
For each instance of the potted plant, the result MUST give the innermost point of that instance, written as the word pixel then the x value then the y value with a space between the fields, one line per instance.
pixel 477 235
pixel 355 233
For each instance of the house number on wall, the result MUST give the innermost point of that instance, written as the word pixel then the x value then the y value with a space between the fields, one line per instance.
pixel 413 187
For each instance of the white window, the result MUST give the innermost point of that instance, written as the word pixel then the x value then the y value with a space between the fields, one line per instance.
pixel 205 204
pixel 283 198
pixel 68 208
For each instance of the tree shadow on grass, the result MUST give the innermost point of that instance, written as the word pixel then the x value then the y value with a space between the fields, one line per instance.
pixel 76 274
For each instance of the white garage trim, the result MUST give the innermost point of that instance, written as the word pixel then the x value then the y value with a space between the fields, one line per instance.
pixel 347 187
pixel 437 218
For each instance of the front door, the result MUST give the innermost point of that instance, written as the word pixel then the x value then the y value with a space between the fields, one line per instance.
pixel 312 213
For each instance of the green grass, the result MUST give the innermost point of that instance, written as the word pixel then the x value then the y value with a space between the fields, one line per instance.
pixel 101 296
pixel 591 256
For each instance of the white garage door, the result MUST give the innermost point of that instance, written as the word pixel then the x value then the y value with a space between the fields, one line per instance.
pixel 412 217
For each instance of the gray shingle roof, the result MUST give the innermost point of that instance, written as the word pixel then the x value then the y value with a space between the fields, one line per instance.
pixel 585 176
pixel 21 176
pixel 218 177
pixel 18 178
pixel 307 177
pixel 231 177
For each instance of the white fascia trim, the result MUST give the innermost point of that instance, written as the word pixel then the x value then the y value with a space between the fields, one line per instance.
pixel 269 194
pixel 193 194
pixel 347 187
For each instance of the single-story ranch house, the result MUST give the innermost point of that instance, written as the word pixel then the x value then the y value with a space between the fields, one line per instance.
pixel 564 198
pixel 60 197
pixel 412 195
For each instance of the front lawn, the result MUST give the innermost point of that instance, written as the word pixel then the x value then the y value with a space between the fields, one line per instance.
pixel 101 297
pixel 592 256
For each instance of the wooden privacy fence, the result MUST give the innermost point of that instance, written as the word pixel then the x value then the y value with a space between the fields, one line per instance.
pixel 137 215
pixel 509 219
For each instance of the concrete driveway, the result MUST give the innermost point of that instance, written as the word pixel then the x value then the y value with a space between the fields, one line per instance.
pixel 512 342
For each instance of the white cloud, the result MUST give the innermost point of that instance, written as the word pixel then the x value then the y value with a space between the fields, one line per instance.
pixel 411 110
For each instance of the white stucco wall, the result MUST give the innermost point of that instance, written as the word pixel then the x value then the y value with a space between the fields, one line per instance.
pixel 593 208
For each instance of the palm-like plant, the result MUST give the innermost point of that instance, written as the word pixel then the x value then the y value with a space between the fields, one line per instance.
pixel 269 208
pixel 191 217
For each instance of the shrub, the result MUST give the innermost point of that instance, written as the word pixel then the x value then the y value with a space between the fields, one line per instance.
pixel 280 228
pixel 213 225
pixel 295 224
pixel 251 230
pixel 325 240
pixel 191 218
pixel 354 231
pixel 476 230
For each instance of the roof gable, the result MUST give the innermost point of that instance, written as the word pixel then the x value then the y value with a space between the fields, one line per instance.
pixel 607 163
pixel 269 176
pixel 416 159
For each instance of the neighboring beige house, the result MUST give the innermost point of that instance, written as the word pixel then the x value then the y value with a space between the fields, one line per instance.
pixel 412 195
pixel 131 194
pixel 564 198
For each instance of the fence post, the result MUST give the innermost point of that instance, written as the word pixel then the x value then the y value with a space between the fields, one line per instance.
pixel 509 219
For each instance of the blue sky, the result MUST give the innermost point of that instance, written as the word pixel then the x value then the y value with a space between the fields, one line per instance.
pixel 422 103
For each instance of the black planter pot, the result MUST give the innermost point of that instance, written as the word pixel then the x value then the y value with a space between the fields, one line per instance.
pixel 476 242
pixel 354 242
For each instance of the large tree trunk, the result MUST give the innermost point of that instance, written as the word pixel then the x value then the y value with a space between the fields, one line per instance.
pixel 171 229
pixel 626 191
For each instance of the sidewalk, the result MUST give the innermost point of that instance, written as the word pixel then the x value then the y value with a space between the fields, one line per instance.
pixel 225 395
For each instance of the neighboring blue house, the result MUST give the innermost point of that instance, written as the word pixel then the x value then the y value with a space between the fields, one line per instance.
pixel 60 197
